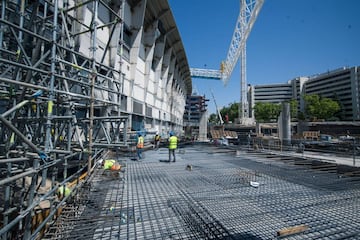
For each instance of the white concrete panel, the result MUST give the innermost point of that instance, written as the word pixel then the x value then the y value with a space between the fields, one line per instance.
pixel 155 113
pixel 152 75
pixel 85 45
pixel 125 68
pixel 87 17
pixel 158 103
pixel 127 87
pixel 100 51
pixel 139 79
pixel 138 93
pixel 159 92
pixel 151 87
pixel 149 98
pixel 103 34
pixel 140 66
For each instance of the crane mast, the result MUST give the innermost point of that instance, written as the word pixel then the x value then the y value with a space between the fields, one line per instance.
pixel 249 10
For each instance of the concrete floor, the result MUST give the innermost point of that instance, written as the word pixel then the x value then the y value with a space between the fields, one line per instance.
pixel 214 198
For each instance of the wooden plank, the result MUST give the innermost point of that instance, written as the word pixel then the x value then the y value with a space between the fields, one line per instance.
pixel 292 230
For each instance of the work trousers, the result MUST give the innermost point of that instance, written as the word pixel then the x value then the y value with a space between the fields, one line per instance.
pixel 172 152
pixel 139 152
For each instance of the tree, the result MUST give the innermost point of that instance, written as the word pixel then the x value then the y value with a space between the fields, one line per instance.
pixel 213 118
pixel 319 107
pixel 266 112
pixel 341 114
pixel 232 111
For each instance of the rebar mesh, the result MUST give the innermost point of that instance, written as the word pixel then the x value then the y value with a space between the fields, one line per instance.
pixel 152 199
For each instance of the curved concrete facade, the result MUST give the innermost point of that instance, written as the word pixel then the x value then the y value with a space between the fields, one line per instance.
pixel 158 76
pixel 96 60
pixel 147 51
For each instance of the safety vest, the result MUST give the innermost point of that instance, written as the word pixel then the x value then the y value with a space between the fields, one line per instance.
pixel 157 138
pixel 140 143
pixel 109 163
pixel 173 142
pixel 63 191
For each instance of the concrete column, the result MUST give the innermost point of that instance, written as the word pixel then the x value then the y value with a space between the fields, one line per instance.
pixel 285 124
pixel 203 127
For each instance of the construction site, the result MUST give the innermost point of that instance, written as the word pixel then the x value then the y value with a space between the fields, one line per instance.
pixel 80 79
pixel 215 193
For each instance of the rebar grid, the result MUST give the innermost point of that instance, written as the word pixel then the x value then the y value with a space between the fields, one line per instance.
pixel 214 200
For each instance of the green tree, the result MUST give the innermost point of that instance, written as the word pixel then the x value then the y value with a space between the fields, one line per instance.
pixel 320 108
pixel 232 111
pixel 266 112
pixel 213 118
pixel 341 114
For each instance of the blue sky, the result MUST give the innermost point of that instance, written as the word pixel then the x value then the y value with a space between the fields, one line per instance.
pixel 290 38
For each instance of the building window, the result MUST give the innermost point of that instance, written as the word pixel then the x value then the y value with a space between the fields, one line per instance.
pixel 148 111
pixel 137 108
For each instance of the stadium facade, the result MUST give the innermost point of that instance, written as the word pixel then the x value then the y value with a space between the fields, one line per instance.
pixel 109 62
pixel 79 79
pixel 156 72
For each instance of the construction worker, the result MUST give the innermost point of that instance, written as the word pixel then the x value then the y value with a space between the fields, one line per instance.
pixel 139 145
pixel 63 191
pixel 172 146
pixel 108 164
pixel 157 141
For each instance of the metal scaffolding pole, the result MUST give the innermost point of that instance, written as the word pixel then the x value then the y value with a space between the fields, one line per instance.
pixel 92 79
pixel 40 50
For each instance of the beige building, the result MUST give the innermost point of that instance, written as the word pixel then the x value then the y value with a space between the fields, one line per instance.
pixel 341 84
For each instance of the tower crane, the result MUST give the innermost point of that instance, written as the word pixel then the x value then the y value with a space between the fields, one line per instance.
pixel 249 10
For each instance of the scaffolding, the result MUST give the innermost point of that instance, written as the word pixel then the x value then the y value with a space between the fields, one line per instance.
pixel 61 87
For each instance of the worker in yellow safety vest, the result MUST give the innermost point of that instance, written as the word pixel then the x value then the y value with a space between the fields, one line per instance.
pixel 172 146
pixel 157 141
pixel 139 145
pixel 108 164
pixel 63 191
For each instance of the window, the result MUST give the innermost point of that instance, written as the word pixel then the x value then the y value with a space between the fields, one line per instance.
pixel 137 108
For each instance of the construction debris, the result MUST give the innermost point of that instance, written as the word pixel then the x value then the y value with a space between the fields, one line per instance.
pixel 189 167
pixel 254 184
